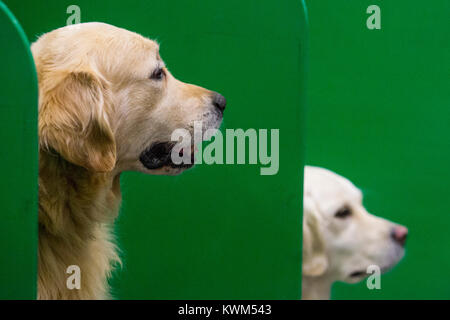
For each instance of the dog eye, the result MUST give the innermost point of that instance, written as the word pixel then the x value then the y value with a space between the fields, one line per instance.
pixel 158 74
pixel 343 212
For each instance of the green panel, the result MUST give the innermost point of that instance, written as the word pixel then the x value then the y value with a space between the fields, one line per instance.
pixel 18 160
pixel 221 231
pixel 379 114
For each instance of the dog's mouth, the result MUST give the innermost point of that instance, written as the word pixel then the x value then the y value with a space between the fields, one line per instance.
pixel 358 274
pixel 159 155
pixel 363 273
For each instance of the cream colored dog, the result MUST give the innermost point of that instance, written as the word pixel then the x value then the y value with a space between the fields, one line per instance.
pixel 340 238
pixel 107 104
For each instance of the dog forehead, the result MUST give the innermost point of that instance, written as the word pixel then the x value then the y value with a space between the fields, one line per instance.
pixel 98 43
pixel 325 184
pixel 119 41
pixel 103 31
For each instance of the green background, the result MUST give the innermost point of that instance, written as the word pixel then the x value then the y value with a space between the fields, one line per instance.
pixel 379 114
pixel 18 159
pixel 220 231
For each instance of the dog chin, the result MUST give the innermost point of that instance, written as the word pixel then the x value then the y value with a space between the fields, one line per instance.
pixel 359 275
pixel 165 171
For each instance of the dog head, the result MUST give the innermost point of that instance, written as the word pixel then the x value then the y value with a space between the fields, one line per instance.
pixel 107 102
pixel 340 238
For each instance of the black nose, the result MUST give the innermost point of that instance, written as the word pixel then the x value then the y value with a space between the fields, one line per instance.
pixel 219 101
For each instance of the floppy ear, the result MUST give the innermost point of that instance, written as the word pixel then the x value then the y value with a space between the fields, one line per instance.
pixel 73 120
pixel 315 261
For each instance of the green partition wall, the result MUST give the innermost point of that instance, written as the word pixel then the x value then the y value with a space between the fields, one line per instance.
pixel 216 231
pixel 379 114
pixel 18 160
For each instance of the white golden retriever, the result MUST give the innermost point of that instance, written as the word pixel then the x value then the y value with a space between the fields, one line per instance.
pixel 107 104
pixel 340 238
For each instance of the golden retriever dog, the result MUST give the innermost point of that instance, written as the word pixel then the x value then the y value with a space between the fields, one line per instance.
pixel 107 104
pixel 340 238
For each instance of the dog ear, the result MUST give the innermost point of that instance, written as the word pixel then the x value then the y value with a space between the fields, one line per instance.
pixel 315 261
pixel 73 120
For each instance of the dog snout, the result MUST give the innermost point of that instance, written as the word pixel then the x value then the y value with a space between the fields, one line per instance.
pixel 219 101
pixel 399 234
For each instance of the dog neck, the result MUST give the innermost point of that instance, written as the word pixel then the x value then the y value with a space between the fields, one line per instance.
pixel 316 288
pixel 76 211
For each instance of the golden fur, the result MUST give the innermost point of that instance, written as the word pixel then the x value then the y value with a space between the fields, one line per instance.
pixel 98 110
